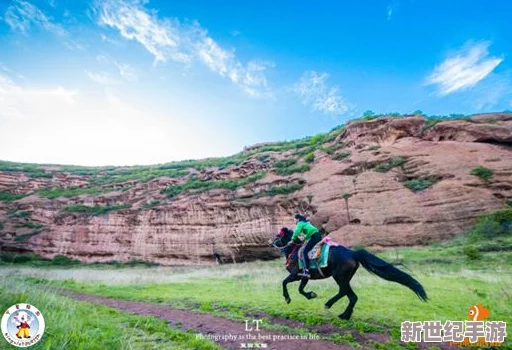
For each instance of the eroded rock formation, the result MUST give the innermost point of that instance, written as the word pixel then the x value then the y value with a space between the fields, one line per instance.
pixel 355 199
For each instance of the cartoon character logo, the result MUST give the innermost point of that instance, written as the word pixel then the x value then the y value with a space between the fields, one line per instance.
pixel 22 320
pixel 22 325
pixel 478 313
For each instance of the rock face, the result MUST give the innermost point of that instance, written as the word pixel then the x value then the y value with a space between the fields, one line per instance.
pixel 357 199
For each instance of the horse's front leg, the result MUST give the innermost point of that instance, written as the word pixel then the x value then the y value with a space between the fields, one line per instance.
pixel 308 295
pixel 291 278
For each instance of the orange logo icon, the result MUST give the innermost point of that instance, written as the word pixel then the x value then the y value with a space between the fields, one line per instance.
pixel 478 313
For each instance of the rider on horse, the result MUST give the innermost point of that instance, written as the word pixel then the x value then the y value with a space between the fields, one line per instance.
pixel 311 235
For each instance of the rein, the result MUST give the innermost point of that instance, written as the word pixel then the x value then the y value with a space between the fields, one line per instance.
pixel 291 254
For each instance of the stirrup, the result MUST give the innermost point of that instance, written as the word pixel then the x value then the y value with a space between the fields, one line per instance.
pixel 305 273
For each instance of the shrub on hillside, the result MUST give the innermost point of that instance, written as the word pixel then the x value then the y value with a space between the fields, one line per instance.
pixel 482 172
pixel 471 252
pixel 390 164
pixel 201 186
pixel 416 185
pixel 285 163
pixel 341 155
pixel 62 260
pixel 293 169
pixel 489 226
pixel 309 158
pixel 9 197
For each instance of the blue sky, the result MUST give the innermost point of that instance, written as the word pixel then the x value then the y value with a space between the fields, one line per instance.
pixel 125 82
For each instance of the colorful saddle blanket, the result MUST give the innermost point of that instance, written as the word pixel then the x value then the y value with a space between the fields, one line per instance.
pixel 318 255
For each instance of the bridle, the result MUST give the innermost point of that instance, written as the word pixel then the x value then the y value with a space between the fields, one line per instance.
pixel 278 239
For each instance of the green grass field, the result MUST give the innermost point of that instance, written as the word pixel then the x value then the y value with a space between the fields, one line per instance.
pixel 453 282
pixel 474 268
pixel 79 325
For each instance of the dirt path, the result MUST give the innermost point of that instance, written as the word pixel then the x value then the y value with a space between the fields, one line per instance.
pixel 232 335
pixel 220 330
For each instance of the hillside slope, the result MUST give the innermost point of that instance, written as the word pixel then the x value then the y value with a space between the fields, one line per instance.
pixel 386 181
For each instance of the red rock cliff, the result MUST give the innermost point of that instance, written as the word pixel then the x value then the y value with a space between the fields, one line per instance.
pixel 349 193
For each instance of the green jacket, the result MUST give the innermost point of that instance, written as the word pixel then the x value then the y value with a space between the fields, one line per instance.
pixel 304 227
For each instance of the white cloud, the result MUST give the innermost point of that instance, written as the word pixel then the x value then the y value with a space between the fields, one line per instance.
pixel 168 39
pixel 102 78
pixel 160 38
pixel 464 69
pixel 22 15
pixel 314 92
pixel 11 72
pixel 15 100
pixel 124 70
pixel 390 12
pixel 491 92
pixel 62 126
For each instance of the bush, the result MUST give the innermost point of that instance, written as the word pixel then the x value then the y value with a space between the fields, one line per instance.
pixel 281 190
pixel 416 185
pixel 202 186
pixel 392 163
pixel 263 157
pixel 293 169
pixel 309 158
pixel 52 193
pixel 341 156
pixel 9 197
pixel 20 214
pixel 369 115
pixel 93 210
pixel 24 238
pixel 489 226
pixel 305 150
pixel 317 139
pixel 285 163
pixel 333 134
pixel 41 174
pixel 15 258
pixel 29 225
pixel 431 122
pixel 331 149
pixel 62 260
pixel 509 203
pixel 471 252
pixel 482 172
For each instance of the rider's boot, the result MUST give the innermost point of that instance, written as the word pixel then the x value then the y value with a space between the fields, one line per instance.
pixel 305 273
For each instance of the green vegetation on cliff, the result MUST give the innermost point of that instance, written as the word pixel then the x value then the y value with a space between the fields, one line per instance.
pixel 94 210
pixel 201 186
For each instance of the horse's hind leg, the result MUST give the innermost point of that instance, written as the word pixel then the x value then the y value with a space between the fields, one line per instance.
pixel 308 295
pixel 341 293
pixel 352 297
pixel 342 276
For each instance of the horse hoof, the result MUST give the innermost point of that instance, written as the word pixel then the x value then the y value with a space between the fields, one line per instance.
pixel 288 300
pixel 327 307
pixel 312 295
pixel 344 317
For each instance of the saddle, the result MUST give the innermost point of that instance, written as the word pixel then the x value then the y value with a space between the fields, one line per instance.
pixel 318 255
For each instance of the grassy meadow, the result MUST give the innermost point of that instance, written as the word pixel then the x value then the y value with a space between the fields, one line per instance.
pixel 473 268
pixel 453 280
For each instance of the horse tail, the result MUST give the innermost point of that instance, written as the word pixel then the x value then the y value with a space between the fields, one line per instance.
pixel 388 272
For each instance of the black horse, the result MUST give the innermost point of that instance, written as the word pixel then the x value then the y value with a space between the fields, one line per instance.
pixel 342 265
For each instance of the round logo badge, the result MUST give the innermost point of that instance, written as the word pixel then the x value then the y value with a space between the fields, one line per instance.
pixel 22 325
